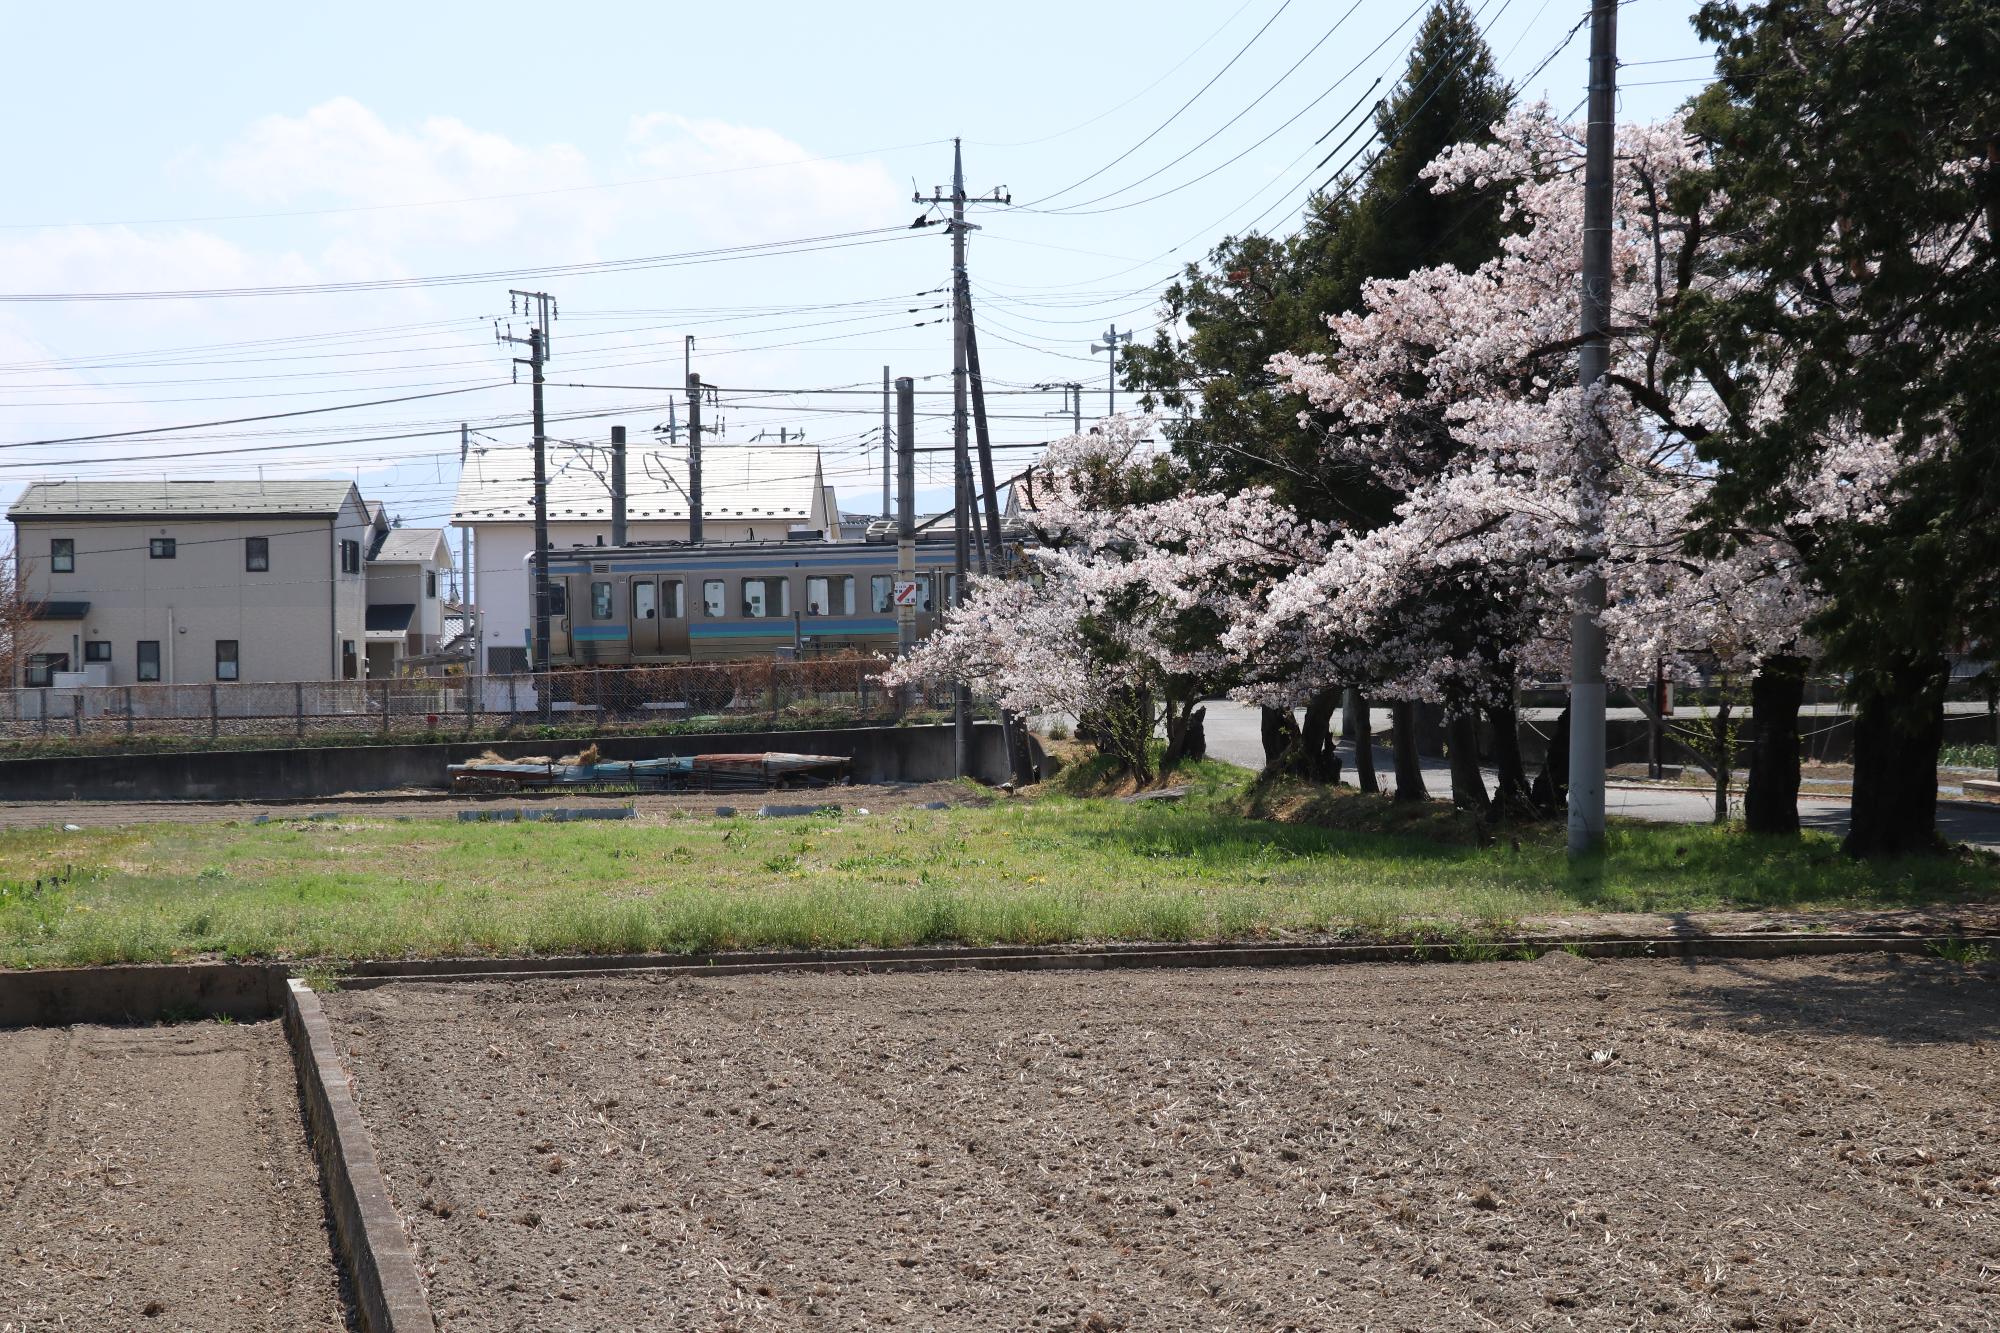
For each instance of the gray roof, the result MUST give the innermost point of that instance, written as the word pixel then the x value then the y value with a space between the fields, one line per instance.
pixel 137 499
pixel 409 545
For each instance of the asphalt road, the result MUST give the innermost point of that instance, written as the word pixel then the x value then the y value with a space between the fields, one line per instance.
pixel 1233 737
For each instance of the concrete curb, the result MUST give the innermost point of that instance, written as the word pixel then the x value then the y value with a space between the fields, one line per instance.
pixel 367 976
pixel 371 1240
pixel 139 993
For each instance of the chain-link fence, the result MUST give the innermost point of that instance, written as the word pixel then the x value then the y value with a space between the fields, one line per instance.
pixel 730 695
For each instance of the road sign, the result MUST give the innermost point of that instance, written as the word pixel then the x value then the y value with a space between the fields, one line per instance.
pixel 906 593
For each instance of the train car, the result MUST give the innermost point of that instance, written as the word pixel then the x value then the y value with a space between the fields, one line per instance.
pixel 662 603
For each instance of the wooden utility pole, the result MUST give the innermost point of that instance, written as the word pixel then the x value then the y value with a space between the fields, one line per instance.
pixel 1586 631
pixel 540 308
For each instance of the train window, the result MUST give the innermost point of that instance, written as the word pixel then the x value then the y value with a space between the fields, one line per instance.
pixel 830 596
pixel 882 593
pixel 558 597
pixel 670 600
pixel 713 598
pixel 644 605
pixel 924 592
pixel 767 597
pixel 951 590
pixel 600 600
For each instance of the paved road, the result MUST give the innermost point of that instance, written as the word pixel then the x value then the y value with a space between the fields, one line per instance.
pixel 1233 736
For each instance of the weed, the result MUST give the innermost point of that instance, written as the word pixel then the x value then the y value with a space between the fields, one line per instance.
pixel 320 976
pixel 1969 953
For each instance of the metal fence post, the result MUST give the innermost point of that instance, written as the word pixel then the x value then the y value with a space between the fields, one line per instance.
pixel 45 712
pixel 76 713
pixel 299 706
pixel 128 710
pixel 512 705
pixel 385 708
pixel 470 682
pixel 214 712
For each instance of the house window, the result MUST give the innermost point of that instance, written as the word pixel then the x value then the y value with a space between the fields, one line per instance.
pixel 507 661
pixel 149 659
pixel 62 555
pixel 225 659
pixel 350 556
pixel 97 650
pixel 600 601
pixel 767 597
pixel 882 593
pixel 161 548
pixel 430 583
pixel 42 667
pixel 830 596
pixel 257 554
pixel 349 667
pixel 713 598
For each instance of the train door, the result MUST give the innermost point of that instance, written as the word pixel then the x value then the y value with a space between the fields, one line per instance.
pixel 645 618
pixel 673 619
pixel 558 618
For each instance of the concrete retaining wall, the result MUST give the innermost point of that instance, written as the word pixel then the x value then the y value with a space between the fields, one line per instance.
pixel 880 754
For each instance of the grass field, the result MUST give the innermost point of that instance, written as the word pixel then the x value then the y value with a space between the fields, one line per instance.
pixel 1038 871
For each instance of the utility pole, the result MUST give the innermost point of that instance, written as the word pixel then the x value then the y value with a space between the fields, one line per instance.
pixel 1586 632
pixel 1076 408
pixel 886 439
pixel 993 554
pixel 906 509
pixel 618 486
pixel 1112 340
pixel 694 459
pixel 540 308
pixel 961 459
pixel 465 531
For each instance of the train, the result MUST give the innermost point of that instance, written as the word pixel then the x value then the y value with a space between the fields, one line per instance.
pixel 649 604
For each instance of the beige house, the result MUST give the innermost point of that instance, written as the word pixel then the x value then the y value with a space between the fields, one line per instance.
pixel 409 581
pixel 749 493
pixel 194 581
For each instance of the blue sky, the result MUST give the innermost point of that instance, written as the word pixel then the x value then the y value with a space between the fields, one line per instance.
pixel 231 145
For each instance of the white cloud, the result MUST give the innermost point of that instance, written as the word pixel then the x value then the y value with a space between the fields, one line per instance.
pixel 747 183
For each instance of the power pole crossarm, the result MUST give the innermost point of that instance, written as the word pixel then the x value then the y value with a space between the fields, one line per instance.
pixel 1113 340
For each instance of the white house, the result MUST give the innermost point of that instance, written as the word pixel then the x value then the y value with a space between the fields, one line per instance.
pixel 194 581
pixel 409 579
pixel 749 492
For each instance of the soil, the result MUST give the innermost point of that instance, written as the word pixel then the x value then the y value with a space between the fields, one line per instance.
pixel 1558 1144
pixel 158 1178
pixel 423 804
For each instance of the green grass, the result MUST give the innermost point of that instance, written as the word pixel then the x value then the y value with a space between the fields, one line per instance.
pixel 1041 871
pixel 1965 755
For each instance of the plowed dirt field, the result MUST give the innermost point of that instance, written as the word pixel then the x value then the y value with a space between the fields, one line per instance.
pixel 1551 1145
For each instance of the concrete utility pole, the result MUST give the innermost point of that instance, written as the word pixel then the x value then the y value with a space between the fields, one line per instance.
pixel 540 308
pixel 1112 340
pixel 465 532
pixel 961 454
pixel 906 509
pixel 1586 633
pixel 618 486
pixel 694 458
pixel 993 554
pixel 886 438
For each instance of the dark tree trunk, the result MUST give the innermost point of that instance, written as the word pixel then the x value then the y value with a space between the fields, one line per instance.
pixel 1511 791
pixel 1771 799
pixel 1468 785
pixel 1722 750
pixel 1318 755
pixel 1364 742
pixel 1551 789
pixel 1898 726
pixel 1185 737
pixel 1279 731
pixel 1403 741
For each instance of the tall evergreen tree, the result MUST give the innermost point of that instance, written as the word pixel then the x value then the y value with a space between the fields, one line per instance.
pixel 1256 295
pixel 1856 152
